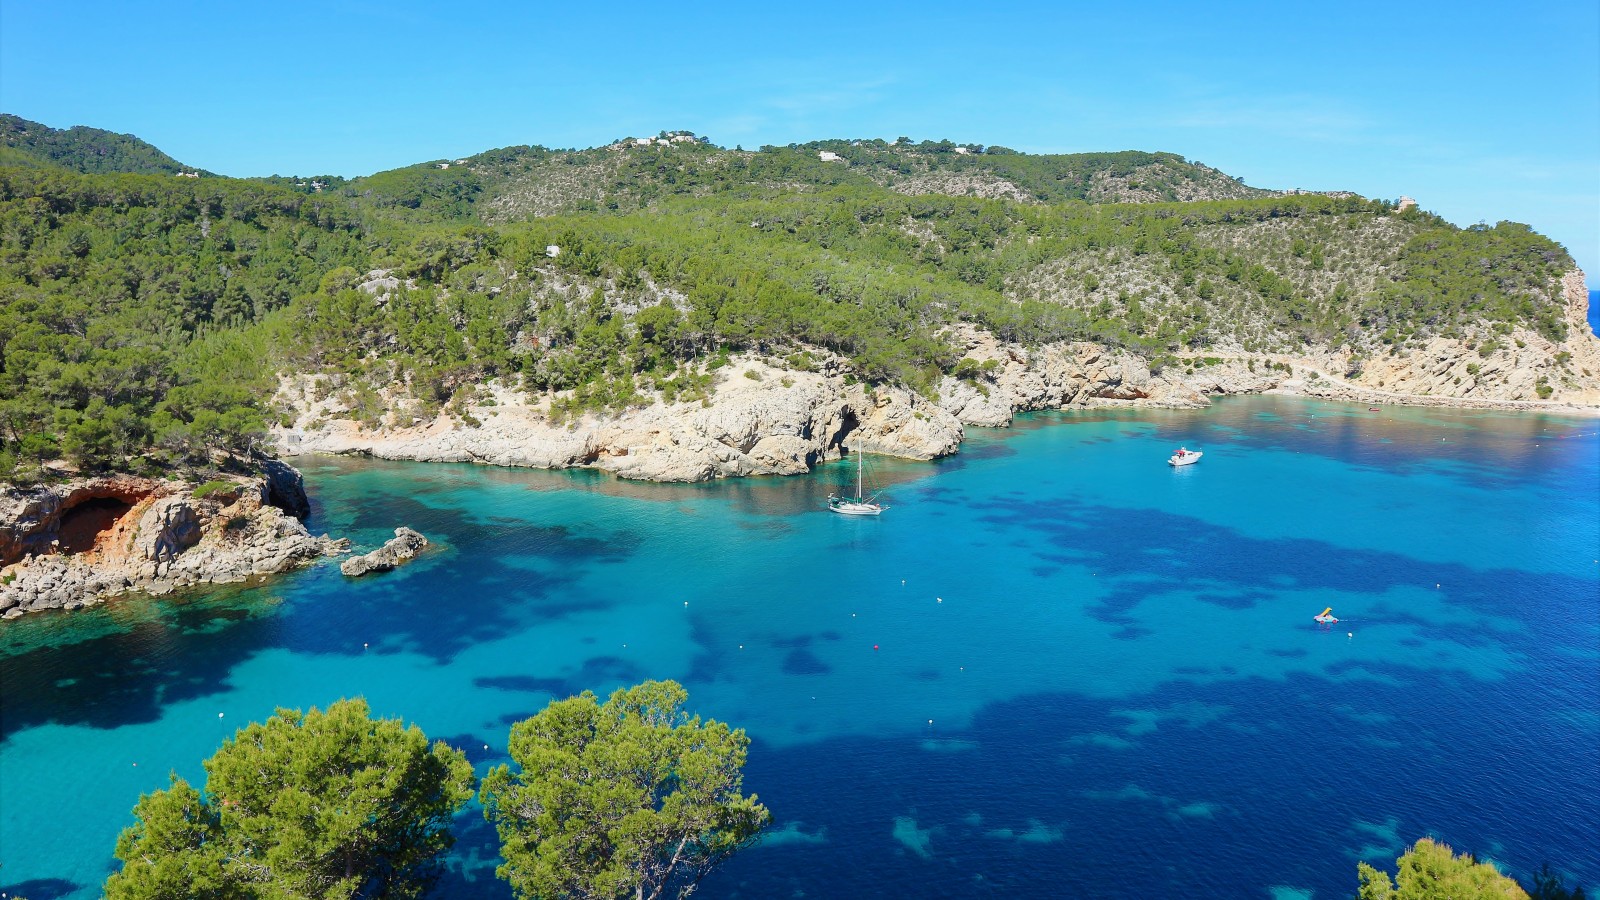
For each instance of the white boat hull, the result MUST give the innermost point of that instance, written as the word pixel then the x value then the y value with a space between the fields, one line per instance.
pixel 848 508
pixel 1188 459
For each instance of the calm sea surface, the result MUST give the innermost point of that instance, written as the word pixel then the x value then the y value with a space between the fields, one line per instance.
pixel 1056 667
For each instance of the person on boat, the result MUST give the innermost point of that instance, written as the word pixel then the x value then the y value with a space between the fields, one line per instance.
pixel 1182 452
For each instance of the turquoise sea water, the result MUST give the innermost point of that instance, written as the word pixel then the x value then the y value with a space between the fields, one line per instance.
pixel 1056 667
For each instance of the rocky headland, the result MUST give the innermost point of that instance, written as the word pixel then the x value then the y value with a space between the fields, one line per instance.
pixel 75 544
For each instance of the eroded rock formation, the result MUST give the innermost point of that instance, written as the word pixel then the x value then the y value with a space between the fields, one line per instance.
pixel 405 545
pixel 143 534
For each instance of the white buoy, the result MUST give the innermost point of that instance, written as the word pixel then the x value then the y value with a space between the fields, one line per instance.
pixel 219 715
pixel 685 603
pixel 940 599
pixel 741 646
pixel 1349 634
pixel 930 721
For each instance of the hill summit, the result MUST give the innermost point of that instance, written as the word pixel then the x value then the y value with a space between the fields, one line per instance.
pixel 82 149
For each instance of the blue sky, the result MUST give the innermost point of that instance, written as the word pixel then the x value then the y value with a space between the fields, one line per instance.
pixel 1481 111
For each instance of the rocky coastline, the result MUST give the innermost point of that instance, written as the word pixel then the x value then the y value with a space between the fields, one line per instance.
pixel 761 418
pixel 73 545
pixel 76 544
pixel 766 418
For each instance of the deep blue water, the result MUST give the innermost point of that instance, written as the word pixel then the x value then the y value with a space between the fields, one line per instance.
pixel 1056 667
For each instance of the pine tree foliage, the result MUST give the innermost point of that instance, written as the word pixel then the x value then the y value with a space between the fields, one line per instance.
pixel 328 805
pixel 629 798
pixel 1431 871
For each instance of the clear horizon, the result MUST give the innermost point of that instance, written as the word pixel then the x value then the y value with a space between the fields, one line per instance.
pixel 1479 114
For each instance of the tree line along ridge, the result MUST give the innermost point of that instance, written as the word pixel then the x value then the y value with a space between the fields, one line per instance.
pixel 146 319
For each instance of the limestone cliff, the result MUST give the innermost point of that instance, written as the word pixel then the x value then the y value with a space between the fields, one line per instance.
pixel 1510 369
pixel 759 420
pixel 72 545
pixel 763 418
pixel 1008 379
pixel 1519 365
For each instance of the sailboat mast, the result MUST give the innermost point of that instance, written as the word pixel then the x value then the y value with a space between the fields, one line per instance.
pixel 861 461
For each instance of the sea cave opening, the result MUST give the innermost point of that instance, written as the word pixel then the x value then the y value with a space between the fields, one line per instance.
pixel 86 523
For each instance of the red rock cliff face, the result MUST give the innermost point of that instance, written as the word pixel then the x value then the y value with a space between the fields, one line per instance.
pixel 73 545
pixel 31 519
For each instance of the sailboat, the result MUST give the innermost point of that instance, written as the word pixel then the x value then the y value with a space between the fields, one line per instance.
pixel 860 504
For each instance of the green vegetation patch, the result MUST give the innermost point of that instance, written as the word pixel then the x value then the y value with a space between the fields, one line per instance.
pixel 147 320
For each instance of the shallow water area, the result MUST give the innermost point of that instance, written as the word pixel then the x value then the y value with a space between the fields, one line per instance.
pixel 1055 667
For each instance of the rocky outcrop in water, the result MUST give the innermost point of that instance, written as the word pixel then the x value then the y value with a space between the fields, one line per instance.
pixel 76 544
pixel 286 489
pixel 405 545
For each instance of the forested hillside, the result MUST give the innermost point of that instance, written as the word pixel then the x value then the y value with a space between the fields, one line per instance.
pixel 145 320
pixel 123 301
pixel 80 149
pixel 517 183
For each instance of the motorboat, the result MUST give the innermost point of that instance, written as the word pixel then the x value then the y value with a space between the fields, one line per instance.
pixel 1184 457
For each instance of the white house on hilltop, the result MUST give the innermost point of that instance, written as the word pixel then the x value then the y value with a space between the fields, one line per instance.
pixel 829 156
pixel 666 140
